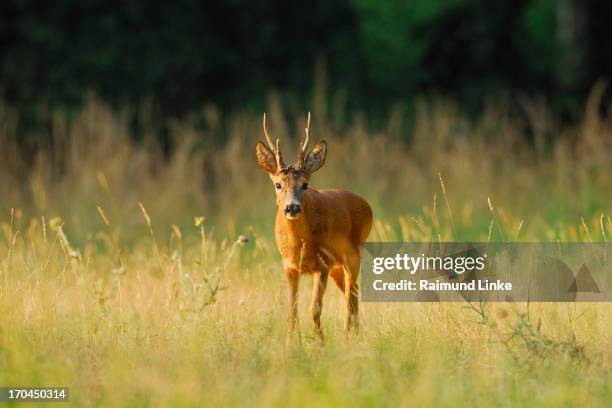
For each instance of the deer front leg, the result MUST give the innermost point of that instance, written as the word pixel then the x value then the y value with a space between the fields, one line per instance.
pixel 293 279
pixel 316 305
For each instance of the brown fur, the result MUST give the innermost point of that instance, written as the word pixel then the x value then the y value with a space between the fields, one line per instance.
pixel 324 240
pixel 327 238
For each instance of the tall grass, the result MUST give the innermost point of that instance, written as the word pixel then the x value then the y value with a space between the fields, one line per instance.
pixel 141 277
pixel 549 179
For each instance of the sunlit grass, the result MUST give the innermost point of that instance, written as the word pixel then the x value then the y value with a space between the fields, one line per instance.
pixel 140 278
pixel 139 335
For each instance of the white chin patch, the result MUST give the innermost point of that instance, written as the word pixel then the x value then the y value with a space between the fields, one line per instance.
pixel 292 217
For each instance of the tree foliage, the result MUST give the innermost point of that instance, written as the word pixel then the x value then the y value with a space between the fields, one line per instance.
pixel 185 53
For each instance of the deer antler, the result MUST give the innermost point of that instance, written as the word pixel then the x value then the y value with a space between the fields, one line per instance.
pixel 280 164
pixel 304 146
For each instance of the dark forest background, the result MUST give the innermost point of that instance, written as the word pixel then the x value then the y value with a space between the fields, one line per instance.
pixel 183 54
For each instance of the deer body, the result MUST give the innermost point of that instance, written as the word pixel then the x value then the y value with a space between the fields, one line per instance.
pixel 331 227
pixel 317 232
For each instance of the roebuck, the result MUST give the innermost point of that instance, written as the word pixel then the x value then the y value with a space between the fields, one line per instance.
pixel 317 232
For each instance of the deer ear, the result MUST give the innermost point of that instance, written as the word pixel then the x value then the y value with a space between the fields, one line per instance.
pixel 265 158
pixel 316 157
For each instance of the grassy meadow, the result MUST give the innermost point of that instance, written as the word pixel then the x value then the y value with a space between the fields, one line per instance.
pixel 142 277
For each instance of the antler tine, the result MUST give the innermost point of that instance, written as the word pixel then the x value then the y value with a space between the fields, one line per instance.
pixel 279 157
pixel 307 131
pixel 276 150
pixel 266 134
pixel 304 146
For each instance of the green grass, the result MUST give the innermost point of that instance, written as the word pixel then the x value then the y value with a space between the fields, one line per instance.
pixel 134 305
pixel 145 338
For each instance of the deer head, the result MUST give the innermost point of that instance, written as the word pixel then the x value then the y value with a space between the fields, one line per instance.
pixel 290 182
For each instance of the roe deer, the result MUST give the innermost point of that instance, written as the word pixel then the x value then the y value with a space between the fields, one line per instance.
pixel 317 232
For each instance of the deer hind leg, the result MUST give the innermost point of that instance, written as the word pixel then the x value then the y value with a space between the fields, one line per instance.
pixel 316 305
pixel 337 274
pixel 293 279
pixel 351 291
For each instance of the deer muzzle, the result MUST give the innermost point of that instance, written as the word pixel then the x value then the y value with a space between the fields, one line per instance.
pixel 293 210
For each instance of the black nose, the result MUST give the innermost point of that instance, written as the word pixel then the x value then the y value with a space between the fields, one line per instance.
pixel 293 209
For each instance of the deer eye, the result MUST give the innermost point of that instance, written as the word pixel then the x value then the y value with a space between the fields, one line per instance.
pixel 305 186
pixel 277 186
